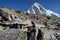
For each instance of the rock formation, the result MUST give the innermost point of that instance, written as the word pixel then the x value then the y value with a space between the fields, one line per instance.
pixel 23 26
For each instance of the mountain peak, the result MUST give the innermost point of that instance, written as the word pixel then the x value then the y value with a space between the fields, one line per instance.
pixel 39 9
pixel 36 3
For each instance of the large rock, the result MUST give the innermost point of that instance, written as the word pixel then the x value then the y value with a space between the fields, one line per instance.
pixel 13 34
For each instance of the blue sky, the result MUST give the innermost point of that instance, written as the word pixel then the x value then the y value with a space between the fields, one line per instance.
pixel 24 5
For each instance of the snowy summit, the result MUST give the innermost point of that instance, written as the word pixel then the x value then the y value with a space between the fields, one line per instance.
pixel 39 9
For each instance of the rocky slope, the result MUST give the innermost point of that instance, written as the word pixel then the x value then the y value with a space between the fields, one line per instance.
pixel 16 25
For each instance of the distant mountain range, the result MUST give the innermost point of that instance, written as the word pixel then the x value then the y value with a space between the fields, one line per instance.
pixel 37 8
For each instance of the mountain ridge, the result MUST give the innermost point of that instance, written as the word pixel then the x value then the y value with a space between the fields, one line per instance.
pixel 39 9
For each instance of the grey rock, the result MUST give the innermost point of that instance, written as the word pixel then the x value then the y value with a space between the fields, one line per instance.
pixel 13 34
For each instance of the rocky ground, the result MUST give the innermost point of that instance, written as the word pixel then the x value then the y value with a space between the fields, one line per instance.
pixel 16 25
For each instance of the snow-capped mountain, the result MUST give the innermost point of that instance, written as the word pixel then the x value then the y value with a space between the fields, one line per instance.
pixel 39 9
